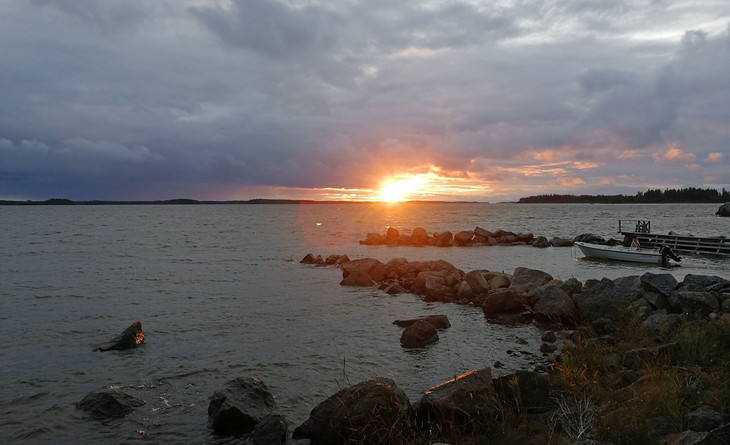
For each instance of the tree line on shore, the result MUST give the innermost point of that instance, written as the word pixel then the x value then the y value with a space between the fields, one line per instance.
pixel 690 194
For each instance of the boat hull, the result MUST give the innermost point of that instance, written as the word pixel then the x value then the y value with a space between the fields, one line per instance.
pixel 619 253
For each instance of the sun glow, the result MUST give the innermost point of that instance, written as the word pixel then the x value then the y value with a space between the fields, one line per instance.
pixel 397 190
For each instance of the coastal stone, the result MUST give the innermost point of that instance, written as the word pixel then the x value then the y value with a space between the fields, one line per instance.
pixel 656 300
pixel 308 259
pixel 529 278
pixel 498 280
pixel 391 235
pixel 463 238
pixel 477 281
pixel 373 411
pixel 109 403
pixel 419 335
pixel 239 406
pixel 273 429
pixel 628 281
pixel 526 238
pixel 663 283
pixel 571 286
pixel 454 405
pixel 483 233
pixel 547 348
pixel 444 239
pixel 394 289
pixel 553 304
pixel 605 300
pixel 723 210
pixel 561 242
pixel 549 337
pixel 437 321
pixel 700 303
pixel 464 291
pixel 336 260
pixel 590 238
pixel 432 286
pixel 541 242
pixel 129 338
pixel 658 427
pixel 503 301
pixel 373 239
pixel 369 266
pixel 705 418
pixel 358 279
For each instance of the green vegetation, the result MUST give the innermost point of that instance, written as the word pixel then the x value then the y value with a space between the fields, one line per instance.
pixel 692 194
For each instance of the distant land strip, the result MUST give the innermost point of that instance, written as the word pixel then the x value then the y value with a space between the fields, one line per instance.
pixel 185 201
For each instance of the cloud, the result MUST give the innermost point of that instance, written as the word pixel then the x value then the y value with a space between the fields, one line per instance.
pixel 205 97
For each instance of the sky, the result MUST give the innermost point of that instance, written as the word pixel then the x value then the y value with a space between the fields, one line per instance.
pixel 361 99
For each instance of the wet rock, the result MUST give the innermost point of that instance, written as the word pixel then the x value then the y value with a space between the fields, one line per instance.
pixel 368 266
pixel 498 280
pixel 371 412
pixel 240 406
pixel 373 239
pixel 393 289
pixel 477 281
pixel 723 210
pixel 358 279
pixel 701 303
pixel 503 301
pixel 419 335
pixel 336 260
pixel 129 338
pixel 464 291
pixel 463 238
pixel 109 403
pixel 444 239
pixel 549 337
pixel 561 242
pixel 432 286
pixel 531 391
pixel 309 259
pixel 483 233
pixel 540 242
pixel 547 348
pixel 454 404
pixel 628 281
pixel 438 321
pixel 391 235
pixel 590 238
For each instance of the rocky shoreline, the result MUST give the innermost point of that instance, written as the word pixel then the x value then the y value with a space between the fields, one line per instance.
pixel 478 406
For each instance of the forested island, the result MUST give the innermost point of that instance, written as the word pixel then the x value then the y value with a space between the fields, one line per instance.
pixel 691 194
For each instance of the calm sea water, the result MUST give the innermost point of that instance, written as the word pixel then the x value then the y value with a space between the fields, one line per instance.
pixel 221 294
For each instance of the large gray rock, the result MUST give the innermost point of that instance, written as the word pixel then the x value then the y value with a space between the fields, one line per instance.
pixel 432 286
pixel 372 412
pixel 129 338
pixel 463 238
pixel 530 278
pixel 438 321
pixel 239 406
pixel 561 242
pixel 419 335
pixel 530 391
pixel 444 239
pixel 701 303
pixel 554 304
pixel 663 283
pixel 605 300
pixel 271 430
pixel 458 402
pixel 109 403
pixel 540 242
pixel 724 210
pixel 705 418
pixel 503 301
pixel 477 281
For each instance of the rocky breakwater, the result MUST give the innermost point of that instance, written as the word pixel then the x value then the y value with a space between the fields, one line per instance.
pixel 474 238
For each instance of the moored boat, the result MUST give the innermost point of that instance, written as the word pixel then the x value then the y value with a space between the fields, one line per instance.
pixel 634 255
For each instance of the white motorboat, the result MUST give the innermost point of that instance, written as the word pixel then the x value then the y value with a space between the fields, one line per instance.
pixel 633 254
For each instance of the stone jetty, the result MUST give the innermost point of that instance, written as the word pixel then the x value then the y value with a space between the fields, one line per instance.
pixel 465 238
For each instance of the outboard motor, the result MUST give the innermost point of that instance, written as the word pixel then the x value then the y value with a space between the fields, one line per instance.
pixel 668 254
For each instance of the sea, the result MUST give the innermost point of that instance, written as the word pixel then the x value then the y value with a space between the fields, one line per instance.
pixel 220 292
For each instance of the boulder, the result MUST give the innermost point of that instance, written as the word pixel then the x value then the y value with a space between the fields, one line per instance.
pixel 663 283
pixel 696 302
pixel 540 242
pixel 444 239
pixel 561 242
pixel 571 286
pixel 309 259
pixel 705 418
pixel 129 338
pixel 438 321
pixel 358 279
pixel 503 301
pixel 660 322
pixel 273 429
pixel 373 239
pixel 498 280
pixel 724 210
pixel 711 283
pixel 432 286
pixel 605 300
pixel 590 238
pixel 370 412
pixel 336 260
pixel 529 278
pixel 553 304
pixel 109 403
pixel 530 391
pixel 391 235
pixel 240 406
pixel 370 266
pixel 419 335
pixel 420 236
pixel 483 233
pixel 458 402
pixel 464 291
pixel 477 281
pixel 463 238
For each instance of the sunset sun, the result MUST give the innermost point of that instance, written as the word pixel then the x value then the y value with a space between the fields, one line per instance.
pixel 396 190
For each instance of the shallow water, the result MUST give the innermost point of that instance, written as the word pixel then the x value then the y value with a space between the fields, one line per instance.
pixel 221 294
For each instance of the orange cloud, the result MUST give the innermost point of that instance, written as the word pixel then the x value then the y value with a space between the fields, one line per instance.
pixel 629 154
pixel 714 157
pixel 569 182
pixel 672 155
pixel 692 167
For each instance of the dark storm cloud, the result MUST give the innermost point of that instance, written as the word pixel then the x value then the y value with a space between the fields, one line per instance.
pixel 159 99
